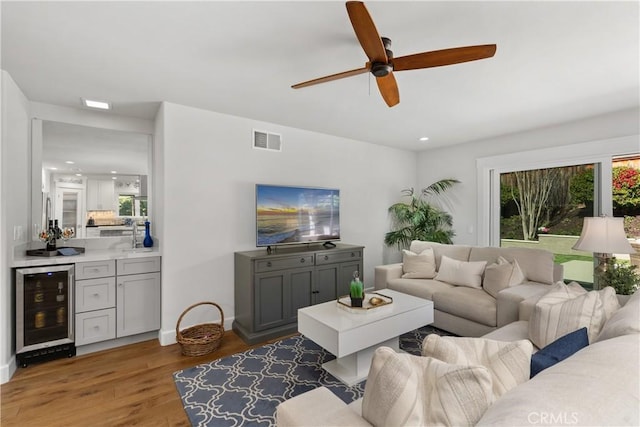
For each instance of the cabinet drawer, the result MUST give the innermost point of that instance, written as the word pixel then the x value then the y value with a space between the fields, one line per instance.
pixel 95 269
pixel 95 294
pixel 95 326
pixel 282 263
pixel 138 265
pixel 333 257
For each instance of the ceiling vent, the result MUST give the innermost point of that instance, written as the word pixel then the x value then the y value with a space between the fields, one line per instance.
pixel 267 141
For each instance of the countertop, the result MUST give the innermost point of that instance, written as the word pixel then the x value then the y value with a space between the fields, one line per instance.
pixel 89 255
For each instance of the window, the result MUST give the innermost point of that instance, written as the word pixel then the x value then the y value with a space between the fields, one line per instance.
pixel 130 205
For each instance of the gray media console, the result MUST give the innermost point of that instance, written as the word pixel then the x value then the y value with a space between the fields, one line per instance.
pixel 270 288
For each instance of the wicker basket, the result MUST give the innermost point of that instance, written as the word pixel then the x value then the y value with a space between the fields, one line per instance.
pixel 200 339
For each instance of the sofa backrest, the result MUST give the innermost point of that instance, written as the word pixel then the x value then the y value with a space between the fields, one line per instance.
pixel 459 252
pixel 536 264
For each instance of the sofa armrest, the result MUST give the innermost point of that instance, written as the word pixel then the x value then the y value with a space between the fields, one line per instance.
pixel 508 301
pixel 384 273
pixel 318 407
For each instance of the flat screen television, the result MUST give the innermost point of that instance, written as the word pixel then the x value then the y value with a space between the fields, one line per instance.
pixel 293 215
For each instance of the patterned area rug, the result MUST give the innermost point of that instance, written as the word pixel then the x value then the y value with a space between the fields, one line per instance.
pixel 245 389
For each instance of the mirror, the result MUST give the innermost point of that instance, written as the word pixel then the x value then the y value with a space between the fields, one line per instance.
pixel 93 180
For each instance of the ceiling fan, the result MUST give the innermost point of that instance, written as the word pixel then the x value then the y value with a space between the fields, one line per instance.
pixel 381 62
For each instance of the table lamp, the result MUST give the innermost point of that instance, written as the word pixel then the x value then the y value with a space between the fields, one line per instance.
pixel 604 236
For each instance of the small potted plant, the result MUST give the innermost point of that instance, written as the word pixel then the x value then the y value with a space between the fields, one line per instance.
pixel 622 277
pixel 356 290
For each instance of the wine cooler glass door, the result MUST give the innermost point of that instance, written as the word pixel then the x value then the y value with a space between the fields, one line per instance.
pixel 44 302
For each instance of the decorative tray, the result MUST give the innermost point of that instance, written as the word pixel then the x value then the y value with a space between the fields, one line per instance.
pixel 379 300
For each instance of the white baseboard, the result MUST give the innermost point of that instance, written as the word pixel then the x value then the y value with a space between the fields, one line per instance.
pixel 7 371
pixel 168 336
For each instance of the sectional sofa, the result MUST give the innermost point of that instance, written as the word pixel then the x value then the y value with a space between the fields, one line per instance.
pixel 481 288
pixel 599 385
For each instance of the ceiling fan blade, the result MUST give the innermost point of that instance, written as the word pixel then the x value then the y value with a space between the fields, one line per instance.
pixel 332 77
pixel 388 89
pixel 366 32
pixel 438 58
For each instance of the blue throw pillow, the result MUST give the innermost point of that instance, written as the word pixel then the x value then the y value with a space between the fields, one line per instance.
pixel 558 350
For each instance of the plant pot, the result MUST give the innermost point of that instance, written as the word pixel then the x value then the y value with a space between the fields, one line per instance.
pixel 356 302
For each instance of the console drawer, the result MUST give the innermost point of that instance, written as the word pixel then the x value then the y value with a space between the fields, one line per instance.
pixel 334 257
pixel 282 263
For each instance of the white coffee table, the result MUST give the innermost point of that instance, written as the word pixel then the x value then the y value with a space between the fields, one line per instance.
pixel 353 337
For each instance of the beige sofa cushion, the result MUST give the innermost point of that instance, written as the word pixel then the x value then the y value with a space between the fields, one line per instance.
pixel 624 321
pixel 536 264
pixel 459 252
pixel 461 273
pixel 501 275
pixel 597 386
pixel 418 265
pixel 407 390
pixel 468 303
pixel 508 362
pixel 421 288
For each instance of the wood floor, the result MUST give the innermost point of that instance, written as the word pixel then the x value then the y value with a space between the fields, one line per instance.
pixel 130 385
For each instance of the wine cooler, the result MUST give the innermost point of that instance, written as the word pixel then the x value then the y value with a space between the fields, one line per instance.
pixel 44 313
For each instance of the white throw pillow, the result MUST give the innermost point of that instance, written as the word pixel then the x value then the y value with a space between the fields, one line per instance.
pixel 624 321
pixel 461 273
pixel 418 266
pixel 408 390
pixel 501 275
pixel 508 363
pixel 564 309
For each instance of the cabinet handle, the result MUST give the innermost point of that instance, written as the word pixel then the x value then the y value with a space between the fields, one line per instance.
pixel 353 254
pixel 96 295
pixel 268 263
pixel 326 257
pixel 302 260
pixel 315 292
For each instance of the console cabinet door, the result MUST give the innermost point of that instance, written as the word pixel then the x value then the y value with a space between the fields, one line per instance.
pixel 138 304
pixel 326 283
pixel 278 295
pixel 269 302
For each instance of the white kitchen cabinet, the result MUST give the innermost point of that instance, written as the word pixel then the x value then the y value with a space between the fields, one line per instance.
pixel 137 296
pixel 95 294
pixel 100 195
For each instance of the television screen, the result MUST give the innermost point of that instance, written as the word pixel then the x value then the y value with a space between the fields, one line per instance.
pixel 289 215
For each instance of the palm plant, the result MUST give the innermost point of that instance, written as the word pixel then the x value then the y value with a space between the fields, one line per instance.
pixel 420 220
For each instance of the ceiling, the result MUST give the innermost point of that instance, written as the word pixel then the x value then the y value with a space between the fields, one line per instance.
pixel 555 62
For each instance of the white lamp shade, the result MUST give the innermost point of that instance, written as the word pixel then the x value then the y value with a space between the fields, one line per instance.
pixel 603 235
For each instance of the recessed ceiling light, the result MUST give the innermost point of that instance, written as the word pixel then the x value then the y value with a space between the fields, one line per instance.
pixel 78 174
pixel 53 168
pixel 69 162
pixel 424 138
pixel 102 105
pixel 114 171
pixel 114 177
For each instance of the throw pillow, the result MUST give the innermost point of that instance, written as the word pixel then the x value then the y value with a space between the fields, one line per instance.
pixel 507 362
pixel 564 309
pixel 418 266
pixel 403 389
pixel 624 321
pixel 558 350
pixel 461 273
pixel 501 275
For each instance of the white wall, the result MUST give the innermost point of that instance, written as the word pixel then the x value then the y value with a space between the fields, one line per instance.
pixel 14 193
pixel 210 170
pixel 460 161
